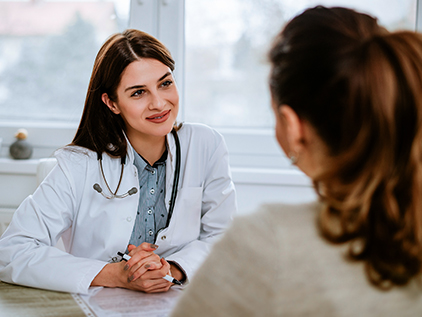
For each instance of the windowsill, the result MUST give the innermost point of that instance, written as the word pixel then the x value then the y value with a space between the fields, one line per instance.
pixel 241 175
pixel 270 176
pixel 11 166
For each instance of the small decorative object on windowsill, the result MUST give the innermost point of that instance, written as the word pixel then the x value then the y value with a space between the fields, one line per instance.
pixel 21 149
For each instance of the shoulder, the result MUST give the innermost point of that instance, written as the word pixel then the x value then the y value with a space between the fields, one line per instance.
pixel 203 140
pixel 272 220
pixel 282 212
pixel 71 157
pixel 199 131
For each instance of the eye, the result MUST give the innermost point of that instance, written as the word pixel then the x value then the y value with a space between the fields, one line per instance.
pixel 138 92
pixel 166 83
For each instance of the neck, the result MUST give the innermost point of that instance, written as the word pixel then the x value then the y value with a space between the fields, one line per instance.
pixel 150 148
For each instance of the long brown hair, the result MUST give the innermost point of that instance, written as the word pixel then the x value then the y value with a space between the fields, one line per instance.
pixel 360 87
pixel 101 130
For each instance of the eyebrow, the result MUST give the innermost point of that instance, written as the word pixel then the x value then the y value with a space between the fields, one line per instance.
pixel 142 86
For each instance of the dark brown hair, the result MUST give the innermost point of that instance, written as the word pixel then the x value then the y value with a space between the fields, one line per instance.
pixel 101 130
pixel 360 87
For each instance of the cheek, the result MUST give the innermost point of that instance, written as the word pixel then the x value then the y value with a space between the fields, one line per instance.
pixel 174 99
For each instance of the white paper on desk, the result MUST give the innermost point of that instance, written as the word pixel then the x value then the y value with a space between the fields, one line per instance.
pixel 113 302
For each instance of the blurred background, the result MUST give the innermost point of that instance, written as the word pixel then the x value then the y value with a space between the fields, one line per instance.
pixel 47 49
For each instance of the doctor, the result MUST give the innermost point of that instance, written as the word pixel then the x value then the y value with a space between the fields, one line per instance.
pixel 132 181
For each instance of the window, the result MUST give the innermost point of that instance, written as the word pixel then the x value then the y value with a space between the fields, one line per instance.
pixel 226 46
pixel 47 49
pixel 220 51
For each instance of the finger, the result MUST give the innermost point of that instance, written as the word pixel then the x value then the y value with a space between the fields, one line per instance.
pixel 150 261
pixel 139 252
pixel 145 246
pixel 140 268
pixel 158 273
pixel 139 272
pixel 165 269
pixel 138 256
pixel 155 285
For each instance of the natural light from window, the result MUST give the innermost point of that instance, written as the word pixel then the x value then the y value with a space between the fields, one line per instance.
pixel 47 49
pixel 226 44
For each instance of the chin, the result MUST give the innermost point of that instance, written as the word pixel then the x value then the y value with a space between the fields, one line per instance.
pixel 163 131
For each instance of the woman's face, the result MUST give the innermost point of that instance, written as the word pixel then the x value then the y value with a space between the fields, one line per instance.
pixel 147 99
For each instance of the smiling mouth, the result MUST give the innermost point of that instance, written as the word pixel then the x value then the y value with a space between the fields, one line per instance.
pixel 159 116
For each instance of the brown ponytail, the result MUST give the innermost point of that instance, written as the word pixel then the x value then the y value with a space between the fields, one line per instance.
pixel 361 89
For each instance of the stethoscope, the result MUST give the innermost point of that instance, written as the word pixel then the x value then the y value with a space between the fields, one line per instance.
pixel 133 190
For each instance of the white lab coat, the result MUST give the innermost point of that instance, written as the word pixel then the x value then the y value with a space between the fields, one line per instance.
pixel 94 228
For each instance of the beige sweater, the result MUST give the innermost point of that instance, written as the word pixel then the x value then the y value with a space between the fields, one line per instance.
pixel 274 263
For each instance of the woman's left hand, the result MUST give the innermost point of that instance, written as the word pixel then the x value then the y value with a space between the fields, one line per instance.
pixel 142 259
pixel 152 281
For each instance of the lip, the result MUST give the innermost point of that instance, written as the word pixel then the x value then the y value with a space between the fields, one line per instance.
pixel 159 117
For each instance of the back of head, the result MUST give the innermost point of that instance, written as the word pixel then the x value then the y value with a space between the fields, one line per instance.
pixel 100 129
pixel 360 87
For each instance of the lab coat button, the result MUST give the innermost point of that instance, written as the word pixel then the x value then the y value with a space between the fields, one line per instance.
pixel 129 219
pixel 163 238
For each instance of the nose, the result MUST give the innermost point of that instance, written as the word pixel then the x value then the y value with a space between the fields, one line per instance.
pixel 157 101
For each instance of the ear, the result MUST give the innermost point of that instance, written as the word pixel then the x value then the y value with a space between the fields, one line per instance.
pixel 110 104
pixel 294 128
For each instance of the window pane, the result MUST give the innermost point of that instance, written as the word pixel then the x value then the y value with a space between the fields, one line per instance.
pixel 226 46
pixel 47 49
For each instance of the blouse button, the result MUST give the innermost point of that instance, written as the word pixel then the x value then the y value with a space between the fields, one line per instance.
pixel 149 212
pixel 150 232
pixel 152 191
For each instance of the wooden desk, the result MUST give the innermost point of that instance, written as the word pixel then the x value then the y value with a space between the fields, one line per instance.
pixel 20 301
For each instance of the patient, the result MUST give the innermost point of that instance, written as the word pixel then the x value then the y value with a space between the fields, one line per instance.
pixel 347 97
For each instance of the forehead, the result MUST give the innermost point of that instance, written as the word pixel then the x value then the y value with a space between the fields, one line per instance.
pixel 143 72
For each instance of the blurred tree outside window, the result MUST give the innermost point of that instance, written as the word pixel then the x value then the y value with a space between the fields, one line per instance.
pixel 47 50
pixel 226 46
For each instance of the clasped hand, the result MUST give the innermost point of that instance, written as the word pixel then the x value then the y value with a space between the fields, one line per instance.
pixel 145 270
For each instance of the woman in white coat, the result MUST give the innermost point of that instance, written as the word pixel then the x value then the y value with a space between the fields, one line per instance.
pixel 114 188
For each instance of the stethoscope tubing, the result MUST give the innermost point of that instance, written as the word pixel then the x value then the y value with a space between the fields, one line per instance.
pixel 133 190
pixel 176 176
